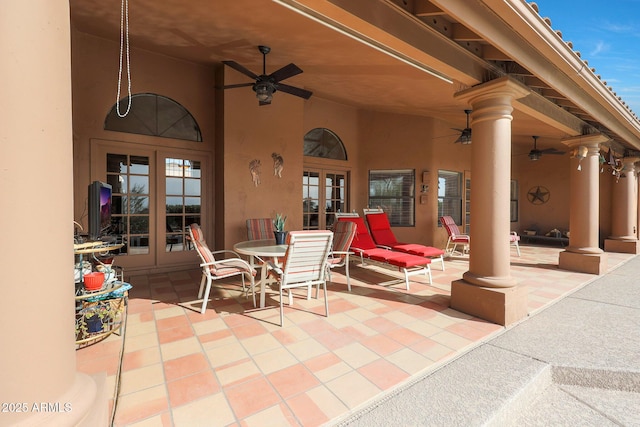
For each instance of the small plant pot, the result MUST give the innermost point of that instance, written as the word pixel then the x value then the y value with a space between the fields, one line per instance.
pixel 93 281
pixel 94 324
pixel 281 237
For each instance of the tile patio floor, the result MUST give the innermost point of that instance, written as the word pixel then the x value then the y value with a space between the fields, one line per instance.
pixel 235 365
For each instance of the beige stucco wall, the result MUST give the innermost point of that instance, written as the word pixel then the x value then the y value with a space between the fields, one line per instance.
pixel 240 131
pixel 551 172
pixel 95 78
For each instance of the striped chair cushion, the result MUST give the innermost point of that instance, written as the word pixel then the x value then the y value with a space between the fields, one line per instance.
pixel 343 234
pixel 196 232
pixel 260 228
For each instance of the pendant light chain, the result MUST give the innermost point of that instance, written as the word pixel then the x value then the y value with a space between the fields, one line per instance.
pixel 124 33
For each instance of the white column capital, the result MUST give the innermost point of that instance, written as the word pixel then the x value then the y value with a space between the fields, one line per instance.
pixel 592 141
pixel 503 87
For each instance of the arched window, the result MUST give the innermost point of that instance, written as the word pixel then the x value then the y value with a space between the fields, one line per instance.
pixel 321 142
pixel 154 115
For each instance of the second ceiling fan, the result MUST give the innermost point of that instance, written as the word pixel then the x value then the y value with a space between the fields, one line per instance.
pixel 465 134
pixel 535 154
pixel 266 84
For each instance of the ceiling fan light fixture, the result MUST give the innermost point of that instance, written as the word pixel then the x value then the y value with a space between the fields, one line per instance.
pixel 534 155
pixel 264 91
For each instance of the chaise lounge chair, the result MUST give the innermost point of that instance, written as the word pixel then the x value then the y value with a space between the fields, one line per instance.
pixel 382 234
pixel 364 246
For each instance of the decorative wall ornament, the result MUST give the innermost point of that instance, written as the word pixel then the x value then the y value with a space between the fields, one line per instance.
pixel 278 164
pixel 538 195
pixel 254 168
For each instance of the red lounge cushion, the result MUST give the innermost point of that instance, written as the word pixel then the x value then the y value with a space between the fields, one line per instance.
pixel 400 259
pixel 419 250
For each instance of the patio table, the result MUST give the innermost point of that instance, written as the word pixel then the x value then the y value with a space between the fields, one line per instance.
pixel 262 249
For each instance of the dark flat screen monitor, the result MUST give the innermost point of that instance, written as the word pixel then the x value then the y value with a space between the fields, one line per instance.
pixel 99 209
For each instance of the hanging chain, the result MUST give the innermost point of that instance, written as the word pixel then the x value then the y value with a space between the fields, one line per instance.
pixel 124 33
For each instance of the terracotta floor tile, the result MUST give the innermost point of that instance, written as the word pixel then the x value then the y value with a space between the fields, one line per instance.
pixel 307 411
pixel 276 416
pixel 383 374
pixel 210 411
pixel 225 355
pixel 381 344
pixel 353 389
pixel 327 401
pixel 322 362
pixel 248 330
pixel 175 349
pixel 184 366
pixel 356 355
pixel 274 360
pixel 142 378
pixel 235 373
pixel 179 321
pixel 292 380
pixel 333 339
pixel 193 387
pixel 140 405
pixel 240 365
pixel 174 334
pixel 250 397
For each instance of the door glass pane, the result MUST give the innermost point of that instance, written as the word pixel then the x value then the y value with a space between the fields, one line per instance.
pixel 335 196
pixel 310 200
pixel 182 178
pixel 129 179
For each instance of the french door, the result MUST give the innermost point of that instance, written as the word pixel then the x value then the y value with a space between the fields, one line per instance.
pixel 156 194
pixel 324 192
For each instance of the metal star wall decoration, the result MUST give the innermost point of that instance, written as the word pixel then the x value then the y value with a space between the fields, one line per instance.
pixel 538 195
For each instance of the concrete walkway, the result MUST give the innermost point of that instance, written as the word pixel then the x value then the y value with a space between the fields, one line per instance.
pixel 576 363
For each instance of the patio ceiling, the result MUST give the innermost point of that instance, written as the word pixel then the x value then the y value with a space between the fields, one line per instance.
pixel 336 66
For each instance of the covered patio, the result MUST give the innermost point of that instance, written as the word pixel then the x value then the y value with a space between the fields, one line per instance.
pixel 236 365
pixel 392 80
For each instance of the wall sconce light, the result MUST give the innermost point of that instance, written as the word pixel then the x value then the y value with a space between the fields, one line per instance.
pixel 580 153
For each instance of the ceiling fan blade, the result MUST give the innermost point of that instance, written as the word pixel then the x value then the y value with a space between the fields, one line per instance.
pixel 551 151
pixel 240 68
pixel 238 85
pixel 285 72
pixel 302 93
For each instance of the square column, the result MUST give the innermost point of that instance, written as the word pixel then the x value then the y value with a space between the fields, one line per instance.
pixel 487 290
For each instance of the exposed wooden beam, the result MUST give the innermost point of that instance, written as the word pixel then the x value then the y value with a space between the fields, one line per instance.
pixel 462 33
pixel 491 53
pixel 426 8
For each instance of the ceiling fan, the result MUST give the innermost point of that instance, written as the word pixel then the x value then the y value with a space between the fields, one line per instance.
pixel 535 154
pixel 265 85
pixel 465 134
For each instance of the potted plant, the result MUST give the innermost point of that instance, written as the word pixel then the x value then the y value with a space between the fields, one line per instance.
pixel 279 232
pixel 92 319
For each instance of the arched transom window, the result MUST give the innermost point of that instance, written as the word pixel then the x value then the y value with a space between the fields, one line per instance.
pixel 321 142
pixel 154 115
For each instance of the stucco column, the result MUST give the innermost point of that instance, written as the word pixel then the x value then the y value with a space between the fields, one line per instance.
pixel 624 210
pixel 488 290
pixel 583 253
pixel 37 360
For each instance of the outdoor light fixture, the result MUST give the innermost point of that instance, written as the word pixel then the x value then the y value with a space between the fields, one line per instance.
pixel 580 153
pixel 535 155
pixel 264 91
